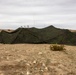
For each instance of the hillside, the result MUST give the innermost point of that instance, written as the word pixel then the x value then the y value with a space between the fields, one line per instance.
pixel 33 35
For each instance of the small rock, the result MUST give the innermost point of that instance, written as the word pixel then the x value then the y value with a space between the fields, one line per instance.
pixel 7 58
pixel 27 64
pixel 34 62
pixel 40 53
pixel 41 70
pixel 46 68
pixel 28 73
pixel 43 64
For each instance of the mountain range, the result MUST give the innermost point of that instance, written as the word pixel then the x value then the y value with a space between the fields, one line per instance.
pixel 47 35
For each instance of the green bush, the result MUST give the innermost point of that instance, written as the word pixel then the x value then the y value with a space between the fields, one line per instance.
pixel 57 47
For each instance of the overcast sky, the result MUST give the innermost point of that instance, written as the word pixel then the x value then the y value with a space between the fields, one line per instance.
pixel 38 13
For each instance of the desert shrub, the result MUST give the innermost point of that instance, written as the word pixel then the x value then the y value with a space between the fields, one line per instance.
pixel 56 47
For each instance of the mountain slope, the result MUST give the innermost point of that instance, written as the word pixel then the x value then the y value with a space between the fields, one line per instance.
pixel 33 35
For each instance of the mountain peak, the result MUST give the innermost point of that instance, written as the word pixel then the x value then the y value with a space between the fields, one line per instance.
pixel 51 26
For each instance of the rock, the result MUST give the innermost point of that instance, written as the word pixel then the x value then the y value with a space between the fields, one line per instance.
pixel 46 68
pixel 28 73
pixel 43 64
pixel 40 53
pixel 34 62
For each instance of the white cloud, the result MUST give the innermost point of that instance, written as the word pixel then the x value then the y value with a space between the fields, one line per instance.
pixel 14 13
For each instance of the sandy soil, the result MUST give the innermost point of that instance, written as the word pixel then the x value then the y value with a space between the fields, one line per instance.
pixel 7 30
pixel 72 30
pixel 36 59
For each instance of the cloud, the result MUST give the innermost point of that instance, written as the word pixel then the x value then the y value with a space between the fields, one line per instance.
pixel 37 13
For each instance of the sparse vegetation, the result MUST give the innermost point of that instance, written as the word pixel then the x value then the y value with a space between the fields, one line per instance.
pixel 34 59
pixel 56 47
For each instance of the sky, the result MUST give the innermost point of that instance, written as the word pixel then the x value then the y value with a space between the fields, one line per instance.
pixel 38 13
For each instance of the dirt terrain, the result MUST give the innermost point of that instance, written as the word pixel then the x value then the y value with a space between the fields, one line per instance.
pixel 36 59
pixel 7 30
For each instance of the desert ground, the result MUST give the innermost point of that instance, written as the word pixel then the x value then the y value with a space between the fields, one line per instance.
pixel 36 59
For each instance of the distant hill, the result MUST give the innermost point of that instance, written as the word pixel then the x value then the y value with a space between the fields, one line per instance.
pixel 33 35
pixel 72 30
pixel 7 30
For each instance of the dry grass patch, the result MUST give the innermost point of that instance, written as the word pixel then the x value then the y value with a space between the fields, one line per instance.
pixel 56 47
